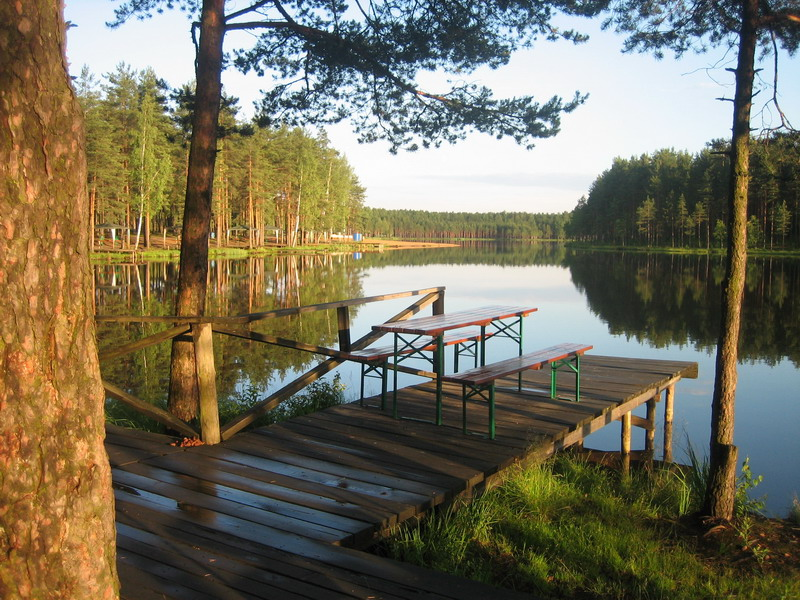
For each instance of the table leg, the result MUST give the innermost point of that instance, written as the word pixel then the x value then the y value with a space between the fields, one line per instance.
pixel 394 376
pixel 439 370
pixel 483 345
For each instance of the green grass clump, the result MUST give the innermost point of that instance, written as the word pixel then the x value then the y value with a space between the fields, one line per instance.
pixel 570 529
pixel 316 396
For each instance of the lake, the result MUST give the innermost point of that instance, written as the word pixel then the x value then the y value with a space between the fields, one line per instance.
pixel 625 304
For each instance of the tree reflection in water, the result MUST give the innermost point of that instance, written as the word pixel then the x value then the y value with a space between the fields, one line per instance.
pixel 625 303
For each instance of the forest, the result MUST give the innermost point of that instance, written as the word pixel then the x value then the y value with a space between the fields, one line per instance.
pixel 677 199
pixel 381 222
pixel 284 185
pixel 271 184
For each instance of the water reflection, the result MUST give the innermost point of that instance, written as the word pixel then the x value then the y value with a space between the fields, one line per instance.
pixel 626 304
pixel 659 300
pixel 666 300
pixel 235 287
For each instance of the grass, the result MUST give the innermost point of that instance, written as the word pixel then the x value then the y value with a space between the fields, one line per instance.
pixel 316 396
pixel 571 529
pixel 215 252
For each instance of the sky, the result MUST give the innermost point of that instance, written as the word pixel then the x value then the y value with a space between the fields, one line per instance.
pixel 636 105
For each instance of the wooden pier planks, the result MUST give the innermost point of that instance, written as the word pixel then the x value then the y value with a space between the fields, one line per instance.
pixel 267 513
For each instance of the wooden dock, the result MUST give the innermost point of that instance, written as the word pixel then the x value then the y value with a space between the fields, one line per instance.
pixel 285 511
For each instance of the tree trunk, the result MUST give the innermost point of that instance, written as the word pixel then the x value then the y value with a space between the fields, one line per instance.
pixel 721 490
pixel 183 392
pixel 56 503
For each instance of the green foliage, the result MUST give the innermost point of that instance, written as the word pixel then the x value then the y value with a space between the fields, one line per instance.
pixel 420 224
pixel 755 236
pixel 673 198
pixel 271 184
pixel 317 396
pixel 746 483
pixel 571 529
pixel 695 478
pixel 336 60
pixel 720 233
pixel 683 26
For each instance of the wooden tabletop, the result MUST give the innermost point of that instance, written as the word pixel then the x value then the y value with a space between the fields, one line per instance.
pixel 438 324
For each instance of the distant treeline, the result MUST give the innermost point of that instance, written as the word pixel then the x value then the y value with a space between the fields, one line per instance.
pixel 269 181
pixel 423 224
pixel 678 199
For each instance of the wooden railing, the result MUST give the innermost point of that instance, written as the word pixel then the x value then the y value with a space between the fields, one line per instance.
pixel 202 329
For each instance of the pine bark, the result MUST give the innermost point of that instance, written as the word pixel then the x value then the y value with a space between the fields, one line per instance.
pixel 191 301
pixel 56 504
pixel 721 488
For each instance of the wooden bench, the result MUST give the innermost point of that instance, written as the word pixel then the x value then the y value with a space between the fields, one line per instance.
pixel 479 380
pixel 374 359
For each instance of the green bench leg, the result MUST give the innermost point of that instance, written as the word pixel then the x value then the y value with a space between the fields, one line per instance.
pixel 574 364
pixel 367 370
pixel 491 412
pixel 468 349
pixel 384 383
pixel 467 391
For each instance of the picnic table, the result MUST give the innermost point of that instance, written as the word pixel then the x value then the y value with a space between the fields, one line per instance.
pixel 413 337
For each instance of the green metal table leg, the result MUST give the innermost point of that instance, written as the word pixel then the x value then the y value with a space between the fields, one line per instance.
pixel 394 390
pixel 439 370
pixel 483 345
pixel 464 408
pixel 384 378
pixel 491 412
pixel 363 369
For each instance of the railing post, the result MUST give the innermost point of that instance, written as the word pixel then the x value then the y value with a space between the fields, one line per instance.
pixel 206 383
pixel 343 316
pixel 438 354
pixel 438 304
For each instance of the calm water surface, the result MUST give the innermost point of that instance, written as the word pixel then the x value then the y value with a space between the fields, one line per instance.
pixel 624 304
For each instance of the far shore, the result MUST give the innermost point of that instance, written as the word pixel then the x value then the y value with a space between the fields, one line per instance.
pixel 169 247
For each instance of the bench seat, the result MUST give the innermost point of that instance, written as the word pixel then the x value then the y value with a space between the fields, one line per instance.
pixel 479 380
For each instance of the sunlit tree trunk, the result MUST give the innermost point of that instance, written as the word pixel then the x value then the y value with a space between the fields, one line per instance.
pixel 56 503
pixel 721 490
pixel 183 393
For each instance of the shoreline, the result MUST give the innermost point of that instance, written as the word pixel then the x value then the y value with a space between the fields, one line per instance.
pixel 171 251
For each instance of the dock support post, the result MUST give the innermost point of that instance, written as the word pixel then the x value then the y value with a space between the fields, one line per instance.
pixel 625 444
pixel 206 382
pixel 650 431
pixel 669 408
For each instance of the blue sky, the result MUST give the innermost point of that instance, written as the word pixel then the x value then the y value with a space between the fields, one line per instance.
pixel 636 105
